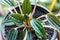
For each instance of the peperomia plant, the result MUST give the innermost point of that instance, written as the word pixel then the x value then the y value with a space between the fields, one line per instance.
pixel 25 19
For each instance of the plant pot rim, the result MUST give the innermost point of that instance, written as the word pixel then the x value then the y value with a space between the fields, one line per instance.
pixel 41 7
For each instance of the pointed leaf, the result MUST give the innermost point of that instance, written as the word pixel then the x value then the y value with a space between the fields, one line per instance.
pixel 53 20
pixel 18 17
pixel 8 23
pixel 21 35
pixel 12 34
pixel 12 21
pixel 13 3
pixel 9 3
pixel 37 26
pixel 26 7
pixel 29 36
pixel 4 2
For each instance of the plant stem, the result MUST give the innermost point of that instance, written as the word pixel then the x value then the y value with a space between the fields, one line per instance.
pixel 20 8
pixel 24 28
pixel 19 27
pixel 26 34
pixel 58 15
pixel 44 20
pixel 34 9
pixel 15 10
pixel 46 16
pixel 27 25
pixel 41 16
pixel 10 10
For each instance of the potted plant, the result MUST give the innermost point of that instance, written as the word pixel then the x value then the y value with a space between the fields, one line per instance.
pixel 26 25
pixel 55 22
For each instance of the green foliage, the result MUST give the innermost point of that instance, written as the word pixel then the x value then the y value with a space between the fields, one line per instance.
pixel 39 29
pixel 29 36
pixel 54 21
pixel 8 3
pixel 12 2
pixel 12 34
pixel 58 1
pixel 26 7
pixel 4 2
pixel 13 21
pixel 57 7
pixel 21 35
pixel 18 17
pixel 29 23
pixel 8 23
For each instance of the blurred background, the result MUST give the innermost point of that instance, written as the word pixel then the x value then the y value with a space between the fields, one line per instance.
pixel 52 5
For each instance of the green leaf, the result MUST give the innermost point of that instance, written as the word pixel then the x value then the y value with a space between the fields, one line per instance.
pixel 8 22
pixel 53 20
pixel 12 34
pixel 39 29
pixel 17 22
pixel 12 21
pixel 21 35
pixel 38 35
pixel 26 7
pixel 18 17
pixel 12 2
pixel 9 3
pixel 29 36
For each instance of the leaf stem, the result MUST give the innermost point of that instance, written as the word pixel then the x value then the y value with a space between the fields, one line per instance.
pixel 46 16
pixel 58 15
pixel 20 8
pixel 34 9
pixel 15 10
pixel 41 16
pixel 19 27
pixel 10 10
pixel 26 34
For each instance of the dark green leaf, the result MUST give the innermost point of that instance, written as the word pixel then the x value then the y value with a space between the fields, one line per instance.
pixel 12 2
pixel 12 34
pixel 12 21
pixel 4 3
pixel 53 20
pixel 38 35
pixel 8 23
pixel 39 29
pixel 18 17
pixel 29 36
pixel 9 3
pixel 26 7
pixel 21 35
